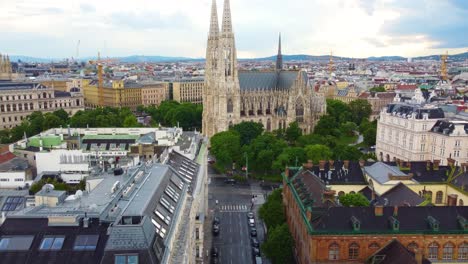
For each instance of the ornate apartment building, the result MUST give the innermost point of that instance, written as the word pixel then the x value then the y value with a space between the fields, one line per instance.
pixel 273 98
pixel 188 90
pixel 20 99
pixel 420 132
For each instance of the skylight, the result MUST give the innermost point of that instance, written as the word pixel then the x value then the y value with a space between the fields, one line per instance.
pixel 86 242
pixel 52 243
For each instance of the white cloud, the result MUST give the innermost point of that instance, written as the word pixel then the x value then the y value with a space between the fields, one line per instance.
pixel 353 28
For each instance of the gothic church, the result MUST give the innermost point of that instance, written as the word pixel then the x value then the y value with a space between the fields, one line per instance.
pixel 273 98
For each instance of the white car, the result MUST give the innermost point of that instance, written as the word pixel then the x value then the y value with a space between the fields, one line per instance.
pixel 251 222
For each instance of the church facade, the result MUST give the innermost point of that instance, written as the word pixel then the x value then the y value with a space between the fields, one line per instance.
pixel 274 98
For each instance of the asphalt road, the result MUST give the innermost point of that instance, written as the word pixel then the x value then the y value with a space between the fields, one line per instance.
pixel 231 203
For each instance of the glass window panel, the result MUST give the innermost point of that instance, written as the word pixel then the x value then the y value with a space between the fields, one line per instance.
pixel 120 259
pixel 132 259
pixel 4 243
pixel 58 243
pixel 46 243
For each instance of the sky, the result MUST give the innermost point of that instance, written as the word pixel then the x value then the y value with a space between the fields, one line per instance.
pixel 348 28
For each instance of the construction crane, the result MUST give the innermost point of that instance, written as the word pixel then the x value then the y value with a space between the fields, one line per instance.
pixel 443 66
pixel 100 79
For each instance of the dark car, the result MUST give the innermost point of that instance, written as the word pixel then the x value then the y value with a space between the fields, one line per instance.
pixel 230 181
pixel 215 229
pixel 255 243
pixel 216 221
pixel 255 252
pixel 214 252
pixel 253 232
pixel 250 215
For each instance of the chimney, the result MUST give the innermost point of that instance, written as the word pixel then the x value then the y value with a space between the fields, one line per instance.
pixel 450 162
pixel 418 255
pixel 395 211
pixel 378 210
pixel 346 164
pixel 322 165
pixel 372 195
pixel 464 167
pixel 436 164
pixel 362 163
pixel 331 164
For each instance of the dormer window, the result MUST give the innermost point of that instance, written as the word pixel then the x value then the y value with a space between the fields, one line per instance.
pixel 433 223
pixel 355 223
pixel 394 223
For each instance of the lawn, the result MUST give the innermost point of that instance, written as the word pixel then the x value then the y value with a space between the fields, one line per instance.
pixel 346 140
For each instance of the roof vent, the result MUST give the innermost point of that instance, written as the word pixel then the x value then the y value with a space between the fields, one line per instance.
pixel 394 223
pixel 463 222
pixel 356 223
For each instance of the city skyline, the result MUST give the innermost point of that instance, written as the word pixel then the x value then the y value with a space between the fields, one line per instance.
pixel 356 28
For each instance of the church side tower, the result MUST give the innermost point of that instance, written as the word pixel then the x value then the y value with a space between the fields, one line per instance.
pixel 5 68
pixel 222 91
pixel 211 73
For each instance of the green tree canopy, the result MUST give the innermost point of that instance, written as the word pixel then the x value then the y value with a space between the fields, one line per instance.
pixel 279 245
pixel 290 157
pixel 293 132
pixel 318 152
pixel 263 151
pixel 248 131
pixel 360 109
pixel 272 211
pixel 354 199
pixel 339 110
pixel 327 125
pixel 226 148
pixel 346 152
pixel 377 89
pixel 130 121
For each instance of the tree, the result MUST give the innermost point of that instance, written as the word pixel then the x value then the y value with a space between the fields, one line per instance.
pixel 225 147
pixel 339 110
pixel 130 121
pixel 346 153
pixel 289 157
pixel 51 121
pixel 354 199
pixel 272 211
pixel 318 152
pixel 293 132
pixel 63 115
pixel 377 89
pixel 360 109
pixel 262 151
pixel 327 125
pixel 248 131
pixel 370 136
pixel 279 245
pixel 348 128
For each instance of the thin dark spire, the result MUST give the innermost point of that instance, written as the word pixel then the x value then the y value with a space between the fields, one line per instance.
pixel 279 57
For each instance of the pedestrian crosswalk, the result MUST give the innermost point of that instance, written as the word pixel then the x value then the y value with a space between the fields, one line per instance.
pixel 234 208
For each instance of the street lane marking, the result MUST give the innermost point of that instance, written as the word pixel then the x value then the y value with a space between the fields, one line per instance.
pixel 234 208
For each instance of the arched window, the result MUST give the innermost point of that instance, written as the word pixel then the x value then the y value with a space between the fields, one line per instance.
pixel 340 193
pixel 463 251
pixel 460 202
pixel 433 251
pixel 352 192
pixel 448 251
pixel 8 108
pixel 268 124
pixel 230 106
pixel 334 251
pixel 413 246
pixel 31 106
pixel 439 197
pixel 353 251
pixel 374 246
pixel 44 95
pixel 2 108
pixel 299 111
pixel 14 107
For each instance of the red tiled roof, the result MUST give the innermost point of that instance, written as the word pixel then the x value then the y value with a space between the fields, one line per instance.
pixel 6 156
pixel 406 87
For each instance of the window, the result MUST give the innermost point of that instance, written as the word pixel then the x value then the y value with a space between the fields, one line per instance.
pixel 52 243
pixel 126 259
pixel 353 251
pixel 86 242
pixel 433 251
pixel 457 143
pixel 439 197
pixel 15 242
pixel 460 203
pixel 334 252
pixel 456 153
pixel 463 251
pixel 413 246
pixel 448 251
pixel 374 246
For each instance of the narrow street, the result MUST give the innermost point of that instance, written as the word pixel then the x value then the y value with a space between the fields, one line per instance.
pixel 231 204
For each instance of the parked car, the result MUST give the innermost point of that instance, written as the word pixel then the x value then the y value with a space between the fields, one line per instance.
pixel 258 260
pixel 253 232
pixel 214 252
pixel 211 161
pixel 216 221
pixel 251 222
pixel 230 181
pixel 250 215
pixel 255 242
pixel 215 229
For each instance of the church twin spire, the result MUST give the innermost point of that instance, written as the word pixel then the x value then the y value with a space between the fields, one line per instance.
pixel 226 26
pixel 279 57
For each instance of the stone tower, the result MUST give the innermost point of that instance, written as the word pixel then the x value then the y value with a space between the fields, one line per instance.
pixel 5 68
pixel 222 92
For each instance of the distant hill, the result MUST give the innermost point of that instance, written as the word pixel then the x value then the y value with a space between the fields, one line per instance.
pixel 297 57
